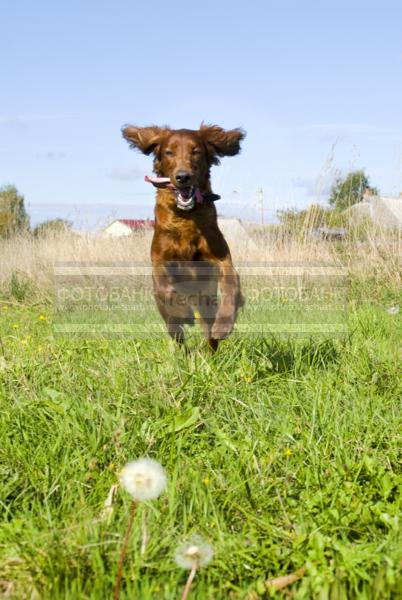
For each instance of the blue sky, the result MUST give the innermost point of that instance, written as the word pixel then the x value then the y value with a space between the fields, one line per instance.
pixel 317 85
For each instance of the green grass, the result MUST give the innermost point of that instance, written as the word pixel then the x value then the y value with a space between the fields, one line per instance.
pixel 283 453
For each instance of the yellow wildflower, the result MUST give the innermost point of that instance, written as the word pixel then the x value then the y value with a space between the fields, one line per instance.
pixel 288 452
pixel 42 318
pixel 246 378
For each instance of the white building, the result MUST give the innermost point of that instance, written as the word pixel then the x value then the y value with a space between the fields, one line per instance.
pixel 382 210
pixel 124 227
pixel 235 233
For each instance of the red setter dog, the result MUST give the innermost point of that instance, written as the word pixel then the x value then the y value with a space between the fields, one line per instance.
pixel 190 256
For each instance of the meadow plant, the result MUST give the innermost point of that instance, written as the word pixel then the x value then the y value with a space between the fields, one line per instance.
pixel 193 554
pixel 144 479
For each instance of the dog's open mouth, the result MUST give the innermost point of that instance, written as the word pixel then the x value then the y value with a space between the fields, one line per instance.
pixel 185 198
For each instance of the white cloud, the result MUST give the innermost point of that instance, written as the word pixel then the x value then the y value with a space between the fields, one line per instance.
pixel 18 118
pixel 24 121
pixel 371 132
pixel 55 155
pixel 127 174
pixel 318 187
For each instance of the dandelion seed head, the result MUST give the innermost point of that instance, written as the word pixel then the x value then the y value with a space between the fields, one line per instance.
pixel 193 552
pixel 143 479
pixel 393 310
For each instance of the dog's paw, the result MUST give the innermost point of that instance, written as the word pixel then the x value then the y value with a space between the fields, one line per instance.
pixel 222 328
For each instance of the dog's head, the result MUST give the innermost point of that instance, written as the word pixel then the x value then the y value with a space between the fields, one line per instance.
pixel 185 155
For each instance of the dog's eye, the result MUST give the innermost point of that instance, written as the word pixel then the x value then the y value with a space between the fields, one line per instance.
pixel 169 152
pixel 196 151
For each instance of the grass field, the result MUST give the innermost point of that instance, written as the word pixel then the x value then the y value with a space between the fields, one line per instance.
pixel 282 452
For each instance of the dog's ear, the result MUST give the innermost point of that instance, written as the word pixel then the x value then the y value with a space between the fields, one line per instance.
pixel 146 139
pixel 221 142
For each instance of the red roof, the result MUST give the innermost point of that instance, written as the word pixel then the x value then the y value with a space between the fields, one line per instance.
pixel 138 223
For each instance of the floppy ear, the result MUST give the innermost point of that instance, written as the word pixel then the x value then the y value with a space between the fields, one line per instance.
pixel 221 142
pixel 146 139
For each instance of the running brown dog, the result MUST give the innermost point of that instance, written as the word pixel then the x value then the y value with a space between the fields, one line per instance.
pixel 189 254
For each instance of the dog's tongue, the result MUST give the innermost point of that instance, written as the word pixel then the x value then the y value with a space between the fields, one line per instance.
pixel 184 196
pixel 160 182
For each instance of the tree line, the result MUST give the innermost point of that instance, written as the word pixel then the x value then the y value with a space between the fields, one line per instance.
pixel 345 192
pixel 14 218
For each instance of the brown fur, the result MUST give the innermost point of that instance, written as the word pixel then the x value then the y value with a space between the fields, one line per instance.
pixel 189 253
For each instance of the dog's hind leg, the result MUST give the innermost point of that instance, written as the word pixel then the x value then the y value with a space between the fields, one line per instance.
pixel 176 331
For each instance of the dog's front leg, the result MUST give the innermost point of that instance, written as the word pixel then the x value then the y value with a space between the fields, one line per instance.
pixel 171 303
pixel 231 299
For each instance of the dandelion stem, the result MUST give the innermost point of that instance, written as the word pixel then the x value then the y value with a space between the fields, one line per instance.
pixel 189 581
pixel 123 551
pixel 145 536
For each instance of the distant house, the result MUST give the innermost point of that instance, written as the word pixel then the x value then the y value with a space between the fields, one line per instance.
pixel 123 227
pixel 383 211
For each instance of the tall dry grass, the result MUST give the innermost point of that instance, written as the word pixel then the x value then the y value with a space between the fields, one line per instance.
pixel 36 257
pixel 378 254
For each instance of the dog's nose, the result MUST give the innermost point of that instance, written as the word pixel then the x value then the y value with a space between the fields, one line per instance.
pixel 182 177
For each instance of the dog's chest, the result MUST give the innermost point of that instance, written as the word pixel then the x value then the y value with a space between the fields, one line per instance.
pixel 186 240
pixel 184 237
